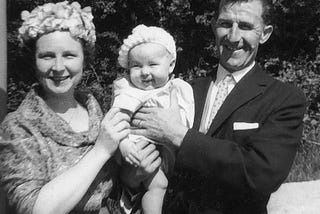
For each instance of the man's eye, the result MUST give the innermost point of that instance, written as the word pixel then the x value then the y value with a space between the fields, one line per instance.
pixel 224 24
pixel 245 26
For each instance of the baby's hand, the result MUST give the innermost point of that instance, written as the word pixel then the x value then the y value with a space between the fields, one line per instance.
pixel 129 152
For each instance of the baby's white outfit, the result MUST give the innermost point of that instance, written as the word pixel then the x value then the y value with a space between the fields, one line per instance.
pixel 131 98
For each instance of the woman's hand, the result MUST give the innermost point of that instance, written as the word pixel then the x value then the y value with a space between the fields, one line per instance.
pixel 129 152
pixel 150 161
pixel 64 192
pixel 114 127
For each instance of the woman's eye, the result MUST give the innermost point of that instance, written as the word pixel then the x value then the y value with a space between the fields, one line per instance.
pixel 69 55
pixel 46 57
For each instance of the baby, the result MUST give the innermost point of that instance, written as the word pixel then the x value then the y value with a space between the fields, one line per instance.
pixel 149 54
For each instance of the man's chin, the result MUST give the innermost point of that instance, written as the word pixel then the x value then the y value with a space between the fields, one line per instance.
pixel 234 65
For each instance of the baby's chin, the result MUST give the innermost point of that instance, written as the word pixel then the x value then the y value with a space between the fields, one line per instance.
pixel 149 87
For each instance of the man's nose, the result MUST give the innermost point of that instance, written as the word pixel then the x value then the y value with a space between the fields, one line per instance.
pixel 234 34
pixel 58 64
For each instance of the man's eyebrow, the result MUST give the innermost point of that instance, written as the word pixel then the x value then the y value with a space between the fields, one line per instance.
pixel 223 19
pixel 246 23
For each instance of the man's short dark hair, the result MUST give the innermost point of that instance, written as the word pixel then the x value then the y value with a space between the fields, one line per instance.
pixel 266 4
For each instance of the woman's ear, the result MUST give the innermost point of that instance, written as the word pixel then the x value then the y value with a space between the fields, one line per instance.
pixel 267 31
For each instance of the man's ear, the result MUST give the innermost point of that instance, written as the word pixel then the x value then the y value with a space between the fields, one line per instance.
pixel 267 31
pixel 213 23
pixel 172 65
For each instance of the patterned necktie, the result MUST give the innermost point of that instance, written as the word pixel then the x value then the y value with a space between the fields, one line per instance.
pixel 222 93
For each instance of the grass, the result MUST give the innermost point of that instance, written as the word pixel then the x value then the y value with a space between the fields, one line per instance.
pixel 306 166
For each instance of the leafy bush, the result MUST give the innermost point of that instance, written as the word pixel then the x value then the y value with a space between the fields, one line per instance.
pixel 303 72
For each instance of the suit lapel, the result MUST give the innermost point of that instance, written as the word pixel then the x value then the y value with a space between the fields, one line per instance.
pixel 200 90
pixel 250 86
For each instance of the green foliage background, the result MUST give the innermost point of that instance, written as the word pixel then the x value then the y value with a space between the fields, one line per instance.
pixel 292 54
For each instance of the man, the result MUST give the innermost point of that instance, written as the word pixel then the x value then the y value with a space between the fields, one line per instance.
pixel 241 146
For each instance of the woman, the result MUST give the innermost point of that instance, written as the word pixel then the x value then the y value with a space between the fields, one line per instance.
pixel 58 156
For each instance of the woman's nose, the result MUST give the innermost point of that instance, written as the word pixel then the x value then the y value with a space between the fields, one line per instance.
pixel 58 64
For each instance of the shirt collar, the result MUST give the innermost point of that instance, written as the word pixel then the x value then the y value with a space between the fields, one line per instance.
pixel 237 76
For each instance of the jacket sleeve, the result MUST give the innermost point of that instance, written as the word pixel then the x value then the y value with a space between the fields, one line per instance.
pixel 262 162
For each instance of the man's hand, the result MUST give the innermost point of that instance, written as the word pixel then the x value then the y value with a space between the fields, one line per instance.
pixel 161 125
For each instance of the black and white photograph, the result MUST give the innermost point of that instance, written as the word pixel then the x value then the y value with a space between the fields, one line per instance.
pixel 159 107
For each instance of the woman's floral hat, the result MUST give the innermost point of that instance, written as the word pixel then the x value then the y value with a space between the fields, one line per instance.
pixel 61 16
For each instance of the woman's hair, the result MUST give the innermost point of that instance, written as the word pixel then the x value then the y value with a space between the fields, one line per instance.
pixel 61 16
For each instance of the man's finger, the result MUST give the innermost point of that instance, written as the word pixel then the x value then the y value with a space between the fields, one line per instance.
pixel 139 116
pixel 146 110
pixel 142 132
pixel 137 123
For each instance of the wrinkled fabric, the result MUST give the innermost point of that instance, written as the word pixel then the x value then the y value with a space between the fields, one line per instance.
pixel 131 98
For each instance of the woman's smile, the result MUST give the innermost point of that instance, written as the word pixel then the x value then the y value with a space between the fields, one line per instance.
pixel 59 78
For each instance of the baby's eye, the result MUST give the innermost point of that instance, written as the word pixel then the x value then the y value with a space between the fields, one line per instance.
pixel 134 66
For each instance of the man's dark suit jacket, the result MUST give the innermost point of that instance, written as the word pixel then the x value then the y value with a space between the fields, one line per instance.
pixel 235 171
